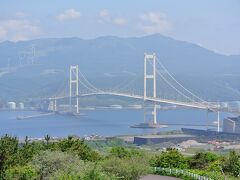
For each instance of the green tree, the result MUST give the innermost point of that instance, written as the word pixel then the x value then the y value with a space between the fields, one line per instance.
pixel 202 160
pixel 172 158
pixel 27 152
pixel 130 168
pixel 232 164
pixel 47 139
pixel 47 163
pixel 95 173
pixel 216 166
pixel 78 147
pixel 9 155
pixel 26 140
pixel 120 152
pixel 21 173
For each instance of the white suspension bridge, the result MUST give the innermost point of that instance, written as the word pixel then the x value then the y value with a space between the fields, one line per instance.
pixel 153 68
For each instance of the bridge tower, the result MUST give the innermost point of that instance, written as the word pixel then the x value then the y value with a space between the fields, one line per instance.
pixel 73 86
pixel 150 74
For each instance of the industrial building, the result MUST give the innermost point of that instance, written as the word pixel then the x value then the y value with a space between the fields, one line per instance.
pixel 209 135
pixel 231 125
pixel 156 139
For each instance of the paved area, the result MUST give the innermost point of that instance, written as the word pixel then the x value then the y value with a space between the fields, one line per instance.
pixel 157 177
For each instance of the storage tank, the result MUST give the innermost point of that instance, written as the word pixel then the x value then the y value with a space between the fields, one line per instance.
pixel 11 105
pixel 21 105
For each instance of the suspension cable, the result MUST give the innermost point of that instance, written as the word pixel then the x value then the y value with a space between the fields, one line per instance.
pixel 123 85
pixel 194 95
pixel 89 84
pixel 175 87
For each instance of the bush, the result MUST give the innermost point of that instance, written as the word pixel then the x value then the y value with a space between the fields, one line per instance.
pixel 216 166
pixel 232 164
pixel 122 152
pixel 47 163
pixel 89 171
pixel 27 151
pixel 96 173
pixel 9 156
pixel 78 147
pixel 126 168
pixel 202 160
pixel 21 173
pixel 169 159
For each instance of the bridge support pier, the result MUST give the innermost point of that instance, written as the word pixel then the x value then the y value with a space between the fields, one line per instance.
pixel 73 82
pixel 150 59
pixel 218 121
pixel 155 114
pixel 55 105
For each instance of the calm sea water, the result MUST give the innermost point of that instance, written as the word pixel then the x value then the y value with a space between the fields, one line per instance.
pixel 101 122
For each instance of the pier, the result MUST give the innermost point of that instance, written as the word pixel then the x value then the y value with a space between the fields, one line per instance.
pixel 34 116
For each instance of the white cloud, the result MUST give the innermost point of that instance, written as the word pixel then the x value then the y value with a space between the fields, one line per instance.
pixel 104 13
pixel 18 29
pixel 20 14
pixel 69 14
pixel 153 22
pixel 3 32
pixel 106 17
pixel 120 21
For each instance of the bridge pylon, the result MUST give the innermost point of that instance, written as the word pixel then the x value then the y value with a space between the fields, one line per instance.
pixel 150 74
pixel 73 86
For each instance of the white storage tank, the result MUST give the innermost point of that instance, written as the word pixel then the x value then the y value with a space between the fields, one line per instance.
pixel 11 105
pixel 21 105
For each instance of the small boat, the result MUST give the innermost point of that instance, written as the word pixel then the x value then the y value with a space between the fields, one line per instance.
pixel 19 117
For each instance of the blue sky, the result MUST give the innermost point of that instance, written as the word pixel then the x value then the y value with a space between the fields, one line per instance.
pixel 214 24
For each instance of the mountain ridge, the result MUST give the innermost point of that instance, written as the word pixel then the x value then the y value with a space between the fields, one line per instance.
pixel 111 56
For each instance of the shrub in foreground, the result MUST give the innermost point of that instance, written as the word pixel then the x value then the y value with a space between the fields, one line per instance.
pixel 49 162
pixel 202 160
pixel 21 173
pixel 126 168
pixel 169 159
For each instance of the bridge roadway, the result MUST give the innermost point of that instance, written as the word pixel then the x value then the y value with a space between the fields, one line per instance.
pixel 152 99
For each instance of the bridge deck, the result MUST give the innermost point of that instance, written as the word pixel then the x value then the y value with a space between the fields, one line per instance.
pixel 152 99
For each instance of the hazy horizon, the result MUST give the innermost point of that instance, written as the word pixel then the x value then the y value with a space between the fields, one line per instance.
pixel 211 24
